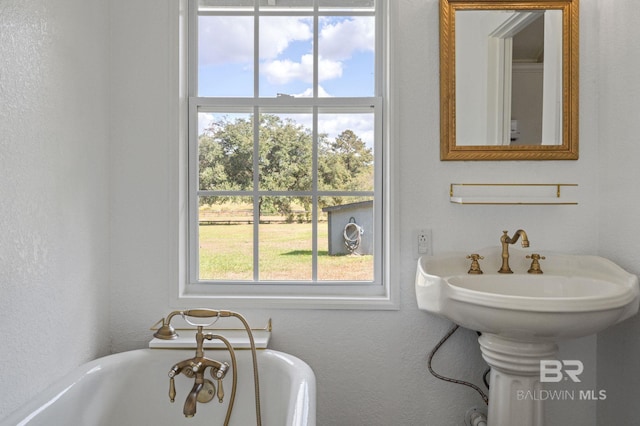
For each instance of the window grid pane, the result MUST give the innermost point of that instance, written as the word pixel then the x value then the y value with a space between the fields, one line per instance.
pixel 346 52
pixel 285 239
pixel 285 147
pixel 283 166
pixel 225 151
pixel 225 238
pixel 225 56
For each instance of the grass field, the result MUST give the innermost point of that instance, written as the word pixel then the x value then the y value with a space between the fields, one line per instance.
pixel 226 253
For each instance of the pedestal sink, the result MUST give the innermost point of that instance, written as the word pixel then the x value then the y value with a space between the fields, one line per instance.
pixel 523 316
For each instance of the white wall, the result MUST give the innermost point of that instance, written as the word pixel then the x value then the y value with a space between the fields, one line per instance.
pixel 56 220
pixel 370 366
pixel 619 133
pixel 53 184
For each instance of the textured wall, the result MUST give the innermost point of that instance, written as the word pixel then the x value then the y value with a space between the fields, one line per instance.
pixel 84 113
pixel 619 102
pixel 53 187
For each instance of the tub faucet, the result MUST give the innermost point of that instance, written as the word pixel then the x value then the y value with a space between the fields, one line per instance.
pixel 192 399
pixel 505 241
pixel 203 389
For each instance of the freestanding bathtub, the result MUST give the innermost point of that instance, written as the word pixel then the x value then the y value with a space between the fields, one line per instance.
pixel 131 388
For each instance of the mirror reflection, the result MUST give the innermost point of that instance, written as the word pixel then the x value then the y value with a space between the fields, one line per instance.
pixel 509 80
pixel 508 77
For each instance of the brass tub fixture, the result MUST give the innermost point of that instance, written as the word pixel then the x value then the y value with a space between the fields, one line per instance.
pixel 505 240
pixel 203 389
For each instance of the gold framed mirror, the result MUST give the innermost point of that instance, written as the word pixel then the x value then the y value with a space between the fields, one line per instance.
pixel 509 80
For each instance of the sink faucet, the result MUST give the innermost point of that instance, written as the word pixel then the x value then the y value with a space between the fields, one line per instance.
pixel 505 241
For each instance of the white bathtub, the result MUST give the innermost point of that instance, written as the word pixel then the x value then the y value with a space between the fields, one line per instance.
pixel 131 388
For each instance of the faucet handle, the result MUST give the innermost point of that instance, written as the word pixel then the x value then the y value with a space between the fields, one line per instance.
pixel 535 263
pixel 475 265
pixel 220 391
pixel 172 389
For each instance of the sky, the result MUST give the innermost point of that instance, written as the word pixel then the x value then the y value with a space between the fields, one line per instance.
pixel 346 55
pixel 346 47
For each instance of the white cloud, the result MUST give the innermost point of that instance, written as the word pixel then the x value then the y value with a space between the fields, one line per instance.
pixel 360 124
pixel 309 93
pixel 278 32
pixel 284 71
pixel 329 69
pixel 338 41
pixel 225 40
pixel 205 119
pixel 334 124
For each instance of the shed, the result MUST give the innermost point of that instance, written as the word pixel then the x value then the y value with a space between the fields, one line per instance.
pixel 339 219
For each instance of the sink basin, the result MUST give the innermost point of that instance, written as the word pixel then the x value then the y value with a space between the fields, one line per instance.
pixel 523 316
pixel 575 296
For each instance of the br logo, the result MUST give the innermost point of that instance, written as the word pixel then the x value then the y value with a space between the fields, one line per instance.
pixel 552 370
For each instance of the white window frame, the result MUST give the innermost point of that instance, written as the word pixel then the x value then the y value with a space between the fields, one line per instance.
pixel 383 294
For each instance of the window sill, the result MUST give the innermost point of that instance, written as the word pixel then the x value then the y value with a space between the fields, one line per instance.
pixel 287 297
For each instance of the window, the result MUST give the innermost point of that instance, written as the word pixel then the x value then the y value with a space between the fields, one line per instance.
pixel 286 155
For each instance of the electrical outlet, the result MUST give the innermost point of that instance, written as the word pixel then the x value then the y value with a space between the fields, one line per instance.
pixel 422 242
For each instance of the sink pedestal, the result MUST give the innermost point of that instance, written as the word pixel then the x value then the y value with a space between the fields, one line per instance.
pixel 522 316
pixel 514 393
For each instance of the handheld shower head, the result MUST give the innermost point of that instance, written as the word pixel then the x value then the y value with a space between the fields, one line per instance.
pixel 166 331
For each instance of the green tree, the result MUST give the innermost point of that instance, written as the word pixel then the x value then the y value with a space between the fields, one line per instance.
pixel 345 164
pixel 284 162
pixel 285 149
pixel 225 156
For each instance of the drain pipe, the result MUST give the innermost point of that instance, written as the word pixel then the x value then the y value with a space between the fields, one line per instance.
pixel 475 418
pixel 478 419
